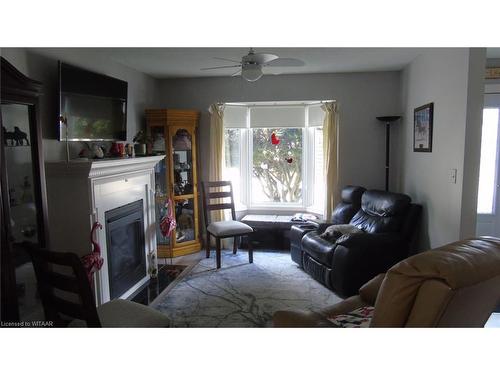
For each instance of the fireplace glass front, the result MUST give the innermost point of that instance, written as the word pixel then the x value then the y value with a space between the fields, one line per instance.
pixel 125 247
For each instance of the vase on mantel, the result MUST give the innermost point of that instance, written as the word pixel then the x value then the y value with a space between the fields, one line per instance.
pixel 140 149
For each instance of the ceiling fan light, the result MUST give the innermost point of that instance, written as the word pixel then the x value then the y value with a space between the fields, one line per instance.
pixel 251 72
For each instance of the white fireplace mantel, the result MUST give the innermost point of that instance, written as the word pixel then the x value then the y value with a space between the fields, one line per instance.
pixel 81 192
pixel 101 168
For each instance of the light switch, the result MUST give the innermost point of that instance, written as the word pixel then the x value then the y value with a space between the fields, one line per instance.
pixel 453 175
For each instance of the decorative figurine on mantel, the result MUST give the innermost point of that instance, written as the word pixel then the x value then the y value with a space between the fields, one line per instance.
pixel 98 151
pixel 142 143
pixel 92 151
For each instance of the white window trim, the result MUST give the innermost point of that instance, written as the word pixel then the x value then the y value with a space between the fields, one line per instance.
pixel 246 156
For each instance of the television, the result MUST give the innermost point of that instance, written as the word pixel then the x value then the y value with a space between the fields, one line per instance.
pixel 92 106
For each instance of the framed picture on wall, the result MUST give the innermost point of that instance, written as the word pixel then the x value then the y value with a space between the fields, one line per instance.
pixel 422 128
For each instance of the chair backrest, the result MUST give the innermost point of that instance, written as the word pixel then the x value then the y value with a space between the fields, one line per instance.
pixel 66 295
pixel 456 285
pixel 350 204
pixel 382 212
pixel 219 194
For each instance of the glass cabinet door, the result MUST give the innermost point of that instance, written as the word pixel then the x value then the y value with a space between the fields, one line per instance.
pixel 184 216
pixel 182 162
pixel 19 163
pixel 161 181
pixel 24 215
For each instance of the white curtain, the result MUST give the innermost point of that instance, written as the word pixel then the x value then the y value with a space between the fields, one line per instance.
pixel 216 155
pixel 330 155
pixel 216 148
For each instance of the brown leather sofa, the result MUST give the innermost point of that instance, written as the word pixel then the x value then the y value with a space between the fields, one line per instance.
pixel 457 285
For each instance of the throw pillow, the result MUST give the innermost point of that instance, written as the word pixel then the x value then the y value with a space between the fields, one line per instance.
pixel 359 318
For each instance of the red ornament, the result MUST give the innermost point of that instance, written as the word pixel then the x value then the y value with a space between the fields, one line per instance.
pixel 168 222
pixel 289 160
pixel 274 139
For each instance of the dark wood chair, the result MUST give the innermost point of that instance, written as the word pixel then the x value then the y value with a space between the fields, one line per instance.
pixel 227 228
pixel 68 299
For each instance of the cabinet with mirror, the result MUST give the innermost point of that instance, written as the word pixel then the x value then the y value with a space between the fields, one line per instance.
pixel 174 134
pixel 23 197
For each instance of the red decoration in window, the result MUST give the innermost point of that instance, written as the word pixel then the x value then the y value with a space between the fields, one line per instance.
pixel 289 160
pixel 274 139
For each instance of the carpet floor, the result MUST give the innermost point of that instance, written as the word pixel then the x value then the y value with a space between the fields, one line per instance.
pixel 242 294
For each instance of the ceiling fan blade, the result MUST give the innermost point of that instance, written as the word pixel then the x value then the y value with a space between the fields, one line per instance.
pixel 222 67
pixel 259 58
pixel 284 61
pixel 237 73
pixel 224 59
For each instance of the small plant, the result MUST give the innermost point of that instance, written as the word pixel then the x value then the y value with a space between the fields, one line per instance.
pixel 142 137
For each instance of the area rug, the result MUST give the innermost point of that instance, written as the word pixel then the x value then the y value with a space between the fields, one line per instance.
pixel 241 294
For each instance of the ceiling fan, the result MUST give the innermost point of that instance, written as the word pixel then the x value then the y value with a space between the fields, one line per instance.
pixel 251 65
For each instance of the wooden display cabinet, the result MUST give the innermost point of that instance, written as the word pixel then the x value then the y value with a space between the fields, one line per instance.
pixel 174 134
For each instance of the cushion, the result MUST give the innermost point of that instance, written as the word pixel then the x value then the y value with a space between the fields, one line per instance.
pixel 381 212
pixel 228 228
pixel 359 318
pixel 384 204
pixel 352 194
pixel 333 232
pixel 121 313
pixel 351 203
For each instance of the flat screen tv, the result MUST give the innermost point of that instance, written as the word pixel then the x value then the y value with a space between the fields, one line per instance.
pixel 92 106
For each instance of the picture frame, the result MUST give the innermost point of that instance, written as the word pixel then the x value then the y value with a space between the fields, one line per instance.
pixel 423 128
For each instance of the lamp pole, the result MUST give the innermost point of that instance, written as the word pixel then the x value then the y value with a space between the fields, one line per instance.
pixel 387 120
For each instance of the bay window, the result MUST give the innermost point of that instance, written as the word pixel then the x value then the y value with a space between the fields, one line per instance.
pixel 274 155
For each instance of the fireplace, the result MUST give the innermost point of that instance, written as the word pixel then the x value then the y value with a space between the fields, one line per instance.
pixel 119 194
pixel 125 247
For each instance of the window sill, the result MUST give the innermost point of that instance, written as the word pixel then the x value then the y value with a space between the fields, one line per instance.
pixel 291 210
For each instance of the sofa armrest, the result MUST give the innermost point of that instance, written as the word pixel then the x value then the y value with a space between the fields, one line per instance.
pixel 297 231
pixel 372 242
pixel 369 291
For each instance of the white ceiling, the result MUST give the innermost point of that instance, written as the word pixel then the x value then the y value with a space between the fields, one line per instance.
pixel 187 62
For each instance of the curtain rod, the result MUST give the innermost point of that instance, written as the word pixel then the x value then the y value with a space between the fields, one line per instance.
pixel 278 103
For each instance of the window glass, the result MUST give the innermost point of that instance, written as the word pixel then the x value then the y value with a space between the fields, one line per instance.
pixel 232 160
pixel 487 169
pixel 277 165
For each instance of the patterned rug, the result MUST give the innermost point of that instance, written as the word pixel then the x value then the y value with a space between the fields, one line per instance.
pixel 242 294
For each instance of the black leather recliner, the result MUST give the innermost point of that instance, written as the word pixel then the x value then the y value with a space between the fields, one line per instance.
pixel 342 213
pixel 388 221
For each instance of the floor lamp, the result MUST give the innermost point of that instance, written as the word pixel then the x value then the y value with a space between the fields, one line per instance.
pixel 387 120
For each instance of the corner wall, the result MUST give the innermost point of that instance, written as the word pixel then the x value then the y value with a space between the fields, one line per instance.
pixel 453 80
